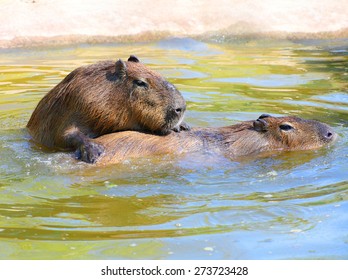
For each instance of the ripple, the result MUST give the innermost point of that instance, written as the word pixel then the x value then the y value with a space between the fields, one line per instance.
pixel 275 80
pixel 194 206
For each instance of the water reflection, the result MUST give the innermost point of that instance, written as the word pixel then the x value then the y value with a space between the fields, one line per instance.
pixel 195 206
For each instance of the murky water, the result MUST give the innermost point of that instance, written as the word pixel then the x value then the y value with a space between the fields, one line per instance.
pixel 288 206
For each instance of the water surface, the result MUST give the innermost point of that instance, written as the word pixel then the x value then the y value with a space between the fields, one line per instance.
pixel 292 205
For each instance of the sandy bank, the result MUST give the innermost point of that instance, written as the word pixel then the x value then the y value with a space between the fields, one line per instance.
pixel 40 22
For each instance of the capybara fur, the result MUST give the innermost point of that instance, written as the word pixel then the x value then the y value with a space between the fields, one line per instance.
pixel 102 98
pixel 265 134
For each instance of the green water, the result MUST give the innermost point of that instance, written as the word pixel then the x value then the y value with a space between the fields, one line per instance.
pixel 288 206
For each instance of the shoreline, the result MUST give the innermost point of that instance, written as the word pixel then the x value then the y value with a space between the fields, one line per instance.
pixel 220 36
pixel 37 23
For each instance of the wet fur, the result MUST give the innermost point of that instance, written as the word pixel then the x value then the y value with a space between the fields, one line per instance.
pixel 102 98
pixel 233 141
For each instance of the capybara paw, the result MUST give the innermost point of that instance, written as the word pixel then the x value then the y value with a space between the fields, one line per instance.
pixel 89 152
pixel 182 126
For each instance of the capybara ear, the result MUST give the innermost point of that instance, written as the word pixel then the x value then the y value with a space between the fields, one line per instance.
pixel 260 125
pixel 121 69
pixel 133 58
pixel 263 116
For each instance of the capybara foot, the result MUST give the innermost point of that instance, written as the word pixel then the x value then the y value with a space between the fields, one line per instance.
pixel 182 126
pixel 89 152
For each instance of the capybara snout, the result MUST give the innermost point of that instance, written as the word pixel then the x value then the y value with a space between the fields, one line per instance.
pixel 326 132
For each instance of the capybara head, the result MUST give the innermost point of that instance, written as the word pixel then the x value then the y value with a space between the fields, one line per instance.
pixel 156 104
pixel 293 133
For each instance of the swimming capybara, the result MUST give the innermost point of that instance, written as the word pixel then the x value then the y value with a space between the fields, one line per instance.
pixel 267 133
pixel 102 98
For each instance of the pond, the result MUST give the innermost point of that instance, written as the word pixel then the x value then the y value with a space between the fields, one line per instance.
pixel 291 205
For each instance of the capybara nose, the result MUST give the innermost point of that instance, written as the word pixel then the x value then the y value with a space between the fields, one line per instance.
pixel 329 135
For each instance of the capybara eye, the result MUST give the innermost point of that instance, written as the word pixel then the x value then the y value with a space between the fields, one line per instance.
pixel 140 83
pixel 286 127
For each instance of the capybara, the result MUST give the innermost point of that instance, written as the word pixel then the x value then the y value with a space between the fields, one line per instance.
pixel 102 98
pixel 267 133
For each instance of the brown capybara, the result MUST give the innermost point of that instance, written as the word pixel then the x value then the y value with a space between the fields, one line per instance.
pixel 105 97
pixel 267 133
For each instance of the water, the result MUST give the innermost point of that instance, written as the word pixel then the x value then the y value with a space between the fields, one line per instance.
pixel 288 206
